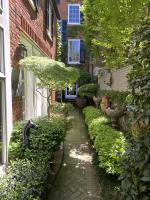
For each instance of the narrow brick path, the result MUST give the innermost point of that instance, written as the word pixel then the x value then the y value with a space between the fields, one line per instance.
pixel 78 178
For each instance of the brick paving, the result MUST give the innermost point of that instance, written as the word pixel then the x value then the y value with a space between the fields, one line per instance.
pixel 78 178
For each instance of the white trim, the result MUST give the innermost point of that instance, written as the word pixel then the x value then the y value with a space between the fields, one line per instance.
pixel 71 96
pixel 1 6
pixel 32 4
pixel 72 23
pixel 73 62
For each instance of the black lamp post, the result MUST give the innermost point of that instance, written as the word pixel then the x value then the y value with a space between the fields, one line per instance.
pixel 21 51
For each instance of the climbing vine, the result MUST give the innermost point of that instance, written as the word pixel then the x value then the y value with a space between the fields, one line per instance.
pixel 136 177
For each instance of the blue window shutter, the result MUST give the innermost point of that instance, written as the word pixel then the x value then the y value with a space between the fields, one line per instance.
pixel 81 17
pixel 82 51
pixel 64 31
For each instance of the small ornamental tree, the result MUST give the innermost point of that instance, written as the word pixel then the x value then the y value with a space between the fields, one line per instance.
pixel 52 74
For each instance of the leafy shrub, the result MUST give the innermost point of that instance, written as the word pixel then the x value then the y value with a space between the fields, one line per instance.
pixel 91 113
pixel 29 167
pixel 25 180
pixel 63 108
pixel 110 144
pixel 85 77
pixel 116 97
pixel 87 90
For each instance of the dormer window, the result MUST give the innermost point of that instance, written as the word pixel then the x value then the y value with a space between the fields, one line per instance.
pixel 74 14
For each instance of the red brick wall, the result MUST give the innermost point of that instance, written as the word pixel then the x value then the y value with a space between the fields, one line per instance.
pixel 24 19
pixel 17 108
pixel 63 9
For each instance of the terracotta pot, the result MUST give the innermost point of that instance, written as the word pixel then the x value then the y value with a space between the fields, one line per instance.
pixel 104 103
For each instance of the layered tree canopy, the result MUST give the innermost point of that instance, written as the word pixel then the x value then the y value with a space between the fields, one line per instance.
pixel 109 25
pixel 52 74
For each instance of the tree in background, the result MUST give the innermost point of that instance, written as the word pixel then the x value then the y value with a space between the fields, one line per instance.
pixel 109 25
pixel 53 75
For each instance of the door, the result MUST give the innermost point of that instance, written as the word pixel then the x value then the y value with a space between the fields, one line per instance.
pixel 71 93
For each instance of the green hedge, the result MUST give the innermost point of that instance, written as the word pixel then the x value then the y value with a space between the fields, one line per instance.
pixel 87 90
pixel 110 144
pixel 29 168
pixel 92 113
pixel 118 97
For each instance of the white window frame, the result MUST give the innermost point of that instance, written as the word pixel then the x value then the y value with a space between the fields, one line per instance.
pixel 49 30
pixel 3 120
pixel 69 96
pixel 32 4
pixel 74 23
pixel 73 62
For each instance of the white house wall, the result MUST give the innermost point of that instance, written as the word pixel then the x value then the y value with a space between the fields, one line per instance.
pixel 35 104
pixel 4 23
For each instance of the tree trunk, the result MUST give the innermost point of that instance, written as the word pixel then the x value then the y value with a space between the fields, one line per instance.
pixel 49 104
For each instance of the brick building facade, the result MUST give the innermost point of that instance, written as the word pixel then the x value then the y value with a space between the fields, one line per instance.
pixel 74 51
pixel 33 25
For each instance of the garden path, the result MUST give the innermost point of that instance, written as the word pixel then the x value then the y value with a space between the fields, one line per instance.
pixel 77 179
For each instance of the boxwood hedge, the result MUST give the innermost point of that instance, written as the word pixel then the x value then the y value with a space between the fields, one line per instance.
pixel 109 143
pixel 29 168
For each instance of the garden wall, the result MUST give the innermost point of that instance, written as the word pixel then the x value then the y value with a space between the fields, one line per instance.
pixel 114 80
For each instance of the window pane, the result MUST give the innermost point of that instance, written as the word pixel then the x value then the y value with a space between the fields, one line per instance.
pixel 1 124
pixel 1 51
pixel 74 14
pixel 74 51
pixel 0 3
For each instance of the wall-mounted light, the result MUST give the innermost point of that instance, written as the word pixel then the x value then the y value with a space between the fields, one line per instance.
pixel 21 51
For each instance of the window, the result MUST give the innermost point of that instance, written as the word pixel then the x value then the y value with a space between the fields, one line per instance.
pixel 1 6
pixel 73 14
pixel 1 51
pixel 2 95
pixel 49 19
pixel 73 51
pixel 34 4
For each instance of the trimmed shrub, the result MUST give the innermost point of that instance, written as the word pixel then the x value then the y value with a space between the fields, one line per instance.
pixel 87 90
pixel 110 144
pixel 92 113
pixel 30 167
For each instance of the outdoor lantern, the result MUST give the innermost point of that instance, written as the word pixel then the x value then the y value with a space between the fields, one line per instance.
pixel 21 51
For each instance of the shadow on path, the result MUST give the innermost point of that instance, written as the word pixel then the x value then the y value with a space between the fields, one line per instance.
pixel 78 178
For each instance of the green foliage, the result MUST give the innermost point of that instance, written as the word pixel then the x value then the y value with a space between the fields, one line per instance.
pixel 110 146
pixel 62 108
pixel 109 143
pixel 136 176
pixel 75 31
pixel 85 77
pixel 88 90
pixel 90 114
pixel 52 74
pixel 25 180
pixel 109 25
pixel 58 43
pixel 29 168
pixel 115 97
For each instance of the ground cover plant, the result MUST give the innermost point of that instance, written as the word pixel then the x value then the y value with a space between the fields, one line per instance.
pixel 29 168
